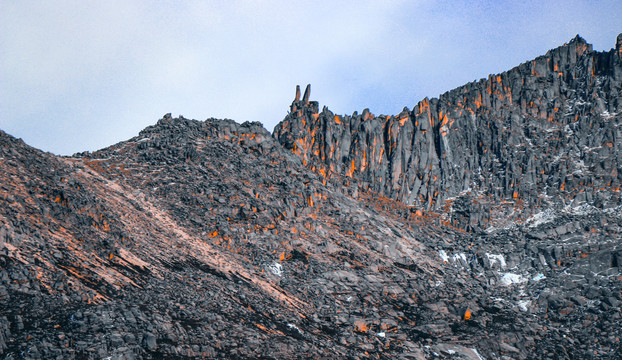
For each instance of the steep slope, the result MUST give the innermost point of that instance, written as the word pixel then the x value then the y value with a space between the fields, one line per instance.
pixel 545 133
pixel 193 239
pixel 81 253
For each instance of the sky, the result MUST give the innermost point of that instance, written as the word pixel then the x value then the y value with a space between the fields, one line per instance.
pixel 82 75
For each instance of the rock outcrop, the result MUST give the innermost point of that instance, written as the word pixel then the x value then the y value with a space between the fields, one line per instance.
pixel 545 133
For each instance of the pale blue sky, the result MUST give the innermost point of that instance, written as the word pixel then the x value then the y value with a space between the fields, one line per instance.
pixel 82 75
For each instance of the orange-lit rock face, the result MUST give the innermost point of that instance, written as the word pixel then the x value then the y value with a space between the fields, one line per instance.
pixel 361 326
pixel 467 314
pixel 477 136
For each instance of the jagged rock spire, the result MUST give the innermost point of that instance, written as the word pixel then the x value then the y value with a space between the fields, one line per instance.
pixel 299 104
pixel 305 97
pixel 578 39
pixel 432 154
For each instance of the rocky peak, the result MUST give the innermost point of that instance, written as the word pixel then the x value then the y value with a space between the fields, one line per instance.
pixel 577 39
pixel 526 137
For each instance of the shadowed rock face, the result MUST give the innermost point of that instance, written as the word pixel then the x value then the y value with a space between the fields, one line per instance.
pixel 200 239
pixel 545 133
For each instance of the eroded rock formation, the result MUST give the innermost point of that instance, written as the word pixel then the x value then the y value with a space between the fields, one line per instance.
pixel 544 133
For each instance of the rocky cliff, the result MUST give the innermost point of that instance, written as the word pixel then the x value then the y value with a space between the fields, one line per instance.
pixel 545 133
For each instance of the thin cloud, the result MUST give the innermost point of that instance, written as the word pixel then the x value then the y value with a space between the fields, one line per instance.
pixel 83 75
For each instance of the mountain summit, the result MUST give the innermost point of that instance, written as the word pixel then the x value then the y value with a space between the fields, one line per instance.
pixel 485 223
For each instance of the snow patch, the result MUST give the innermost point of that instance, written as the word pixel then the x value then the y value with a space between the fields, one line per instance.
pixel 524 305
pixel 276 268
pixel 477 354
pixel 443 256
pixel 542 217
pixel 496 258
pixel 584 209
pixel 455 258
pixel 458 257
pixel 617 211
pixel 381 334
pixel 539 277
pixel 509 279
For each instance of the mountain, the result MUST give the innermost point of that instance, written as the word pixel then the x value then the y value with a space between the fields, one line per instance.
pixel 544 133
pixel 483 224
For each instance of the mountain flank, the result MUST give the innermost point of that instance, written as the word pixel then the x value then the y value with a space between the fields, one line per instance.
pixel 485 224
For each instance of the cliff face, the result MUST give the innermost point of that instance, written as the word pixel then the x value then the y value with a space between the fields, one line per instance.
pixel 543 133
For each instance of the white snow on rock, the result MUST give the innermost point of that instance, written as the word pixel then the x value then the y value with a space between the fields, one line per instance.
pixel 542 217
pixel 276 268
pixel 443 255
pixel 496 258
pixel 478 355
pixel 539 277
pixel 607 115
pixel 617 211
pixel 524 305
pixel 510 279
pixel 457 257
pixel 294 327
pixel 584 209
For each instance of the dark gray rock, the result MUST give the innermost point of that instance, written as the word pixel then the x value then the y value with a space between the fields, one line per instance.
pixel 533 135
pixel 149 341
pixel 212 239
